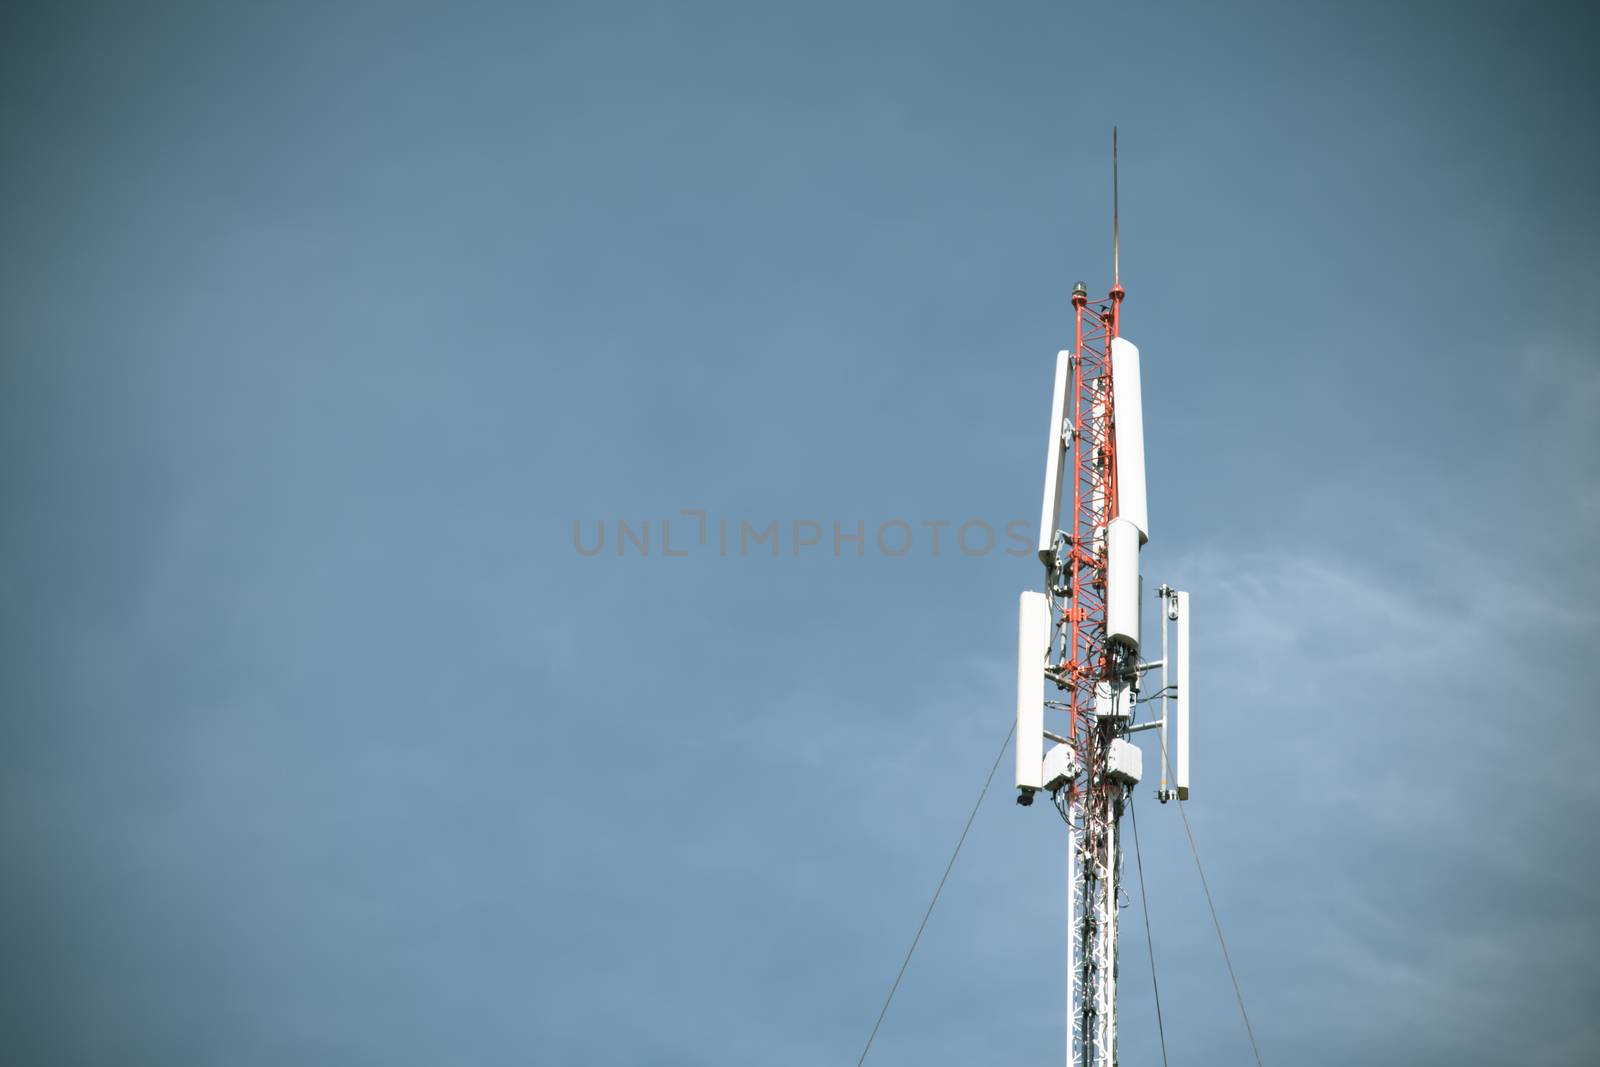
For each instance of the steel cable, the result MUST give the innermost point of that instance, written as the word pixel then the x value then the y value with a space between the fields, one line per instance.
pixel 1144 905
pixel 1194 850
pixel 924 924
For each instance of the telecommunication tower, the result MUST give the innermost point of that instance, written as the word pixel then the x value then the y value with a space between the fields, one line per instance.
pixel 1083 635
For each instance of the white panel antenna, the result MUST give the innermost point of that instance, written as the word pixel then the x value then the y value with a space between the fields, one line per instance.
pixel 1127 406
pixel 1033 645
pixel 1055 458
pixel 1181 727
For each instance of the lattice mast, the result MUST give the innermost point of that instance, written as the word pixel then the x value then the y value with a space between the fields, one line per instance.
pixel 1091 802
pixel 1082 635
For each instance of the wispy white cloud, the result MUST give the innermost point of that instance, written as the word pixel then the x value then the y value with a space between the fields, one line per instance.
pixel 1408 704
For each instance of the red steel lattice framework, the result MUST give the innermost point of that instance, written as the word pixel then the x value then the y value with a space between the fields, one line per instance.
pixel 1082 614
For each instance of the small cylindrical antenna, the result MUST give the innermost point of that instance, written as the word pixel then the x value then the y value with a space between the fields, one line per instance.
pixel 1116 267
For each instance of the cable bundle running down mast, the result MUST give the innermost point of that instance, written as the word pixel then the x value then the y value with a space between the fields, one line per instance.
pixel 1083 634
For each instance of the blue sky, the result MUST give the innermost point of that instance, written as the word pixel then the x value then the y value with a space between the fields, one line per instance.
pixel 321 326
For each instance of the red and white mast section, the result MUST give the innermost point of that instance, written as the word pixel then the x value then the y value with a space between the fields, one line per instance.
pixel 1083 635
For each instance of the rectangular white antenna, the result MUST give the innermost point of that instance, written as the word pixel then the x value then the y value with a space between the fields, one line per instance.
pixel 1033 645
pixel 1055 458
pixel 1181 776
pixel 1127 407
pixel 1122 582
